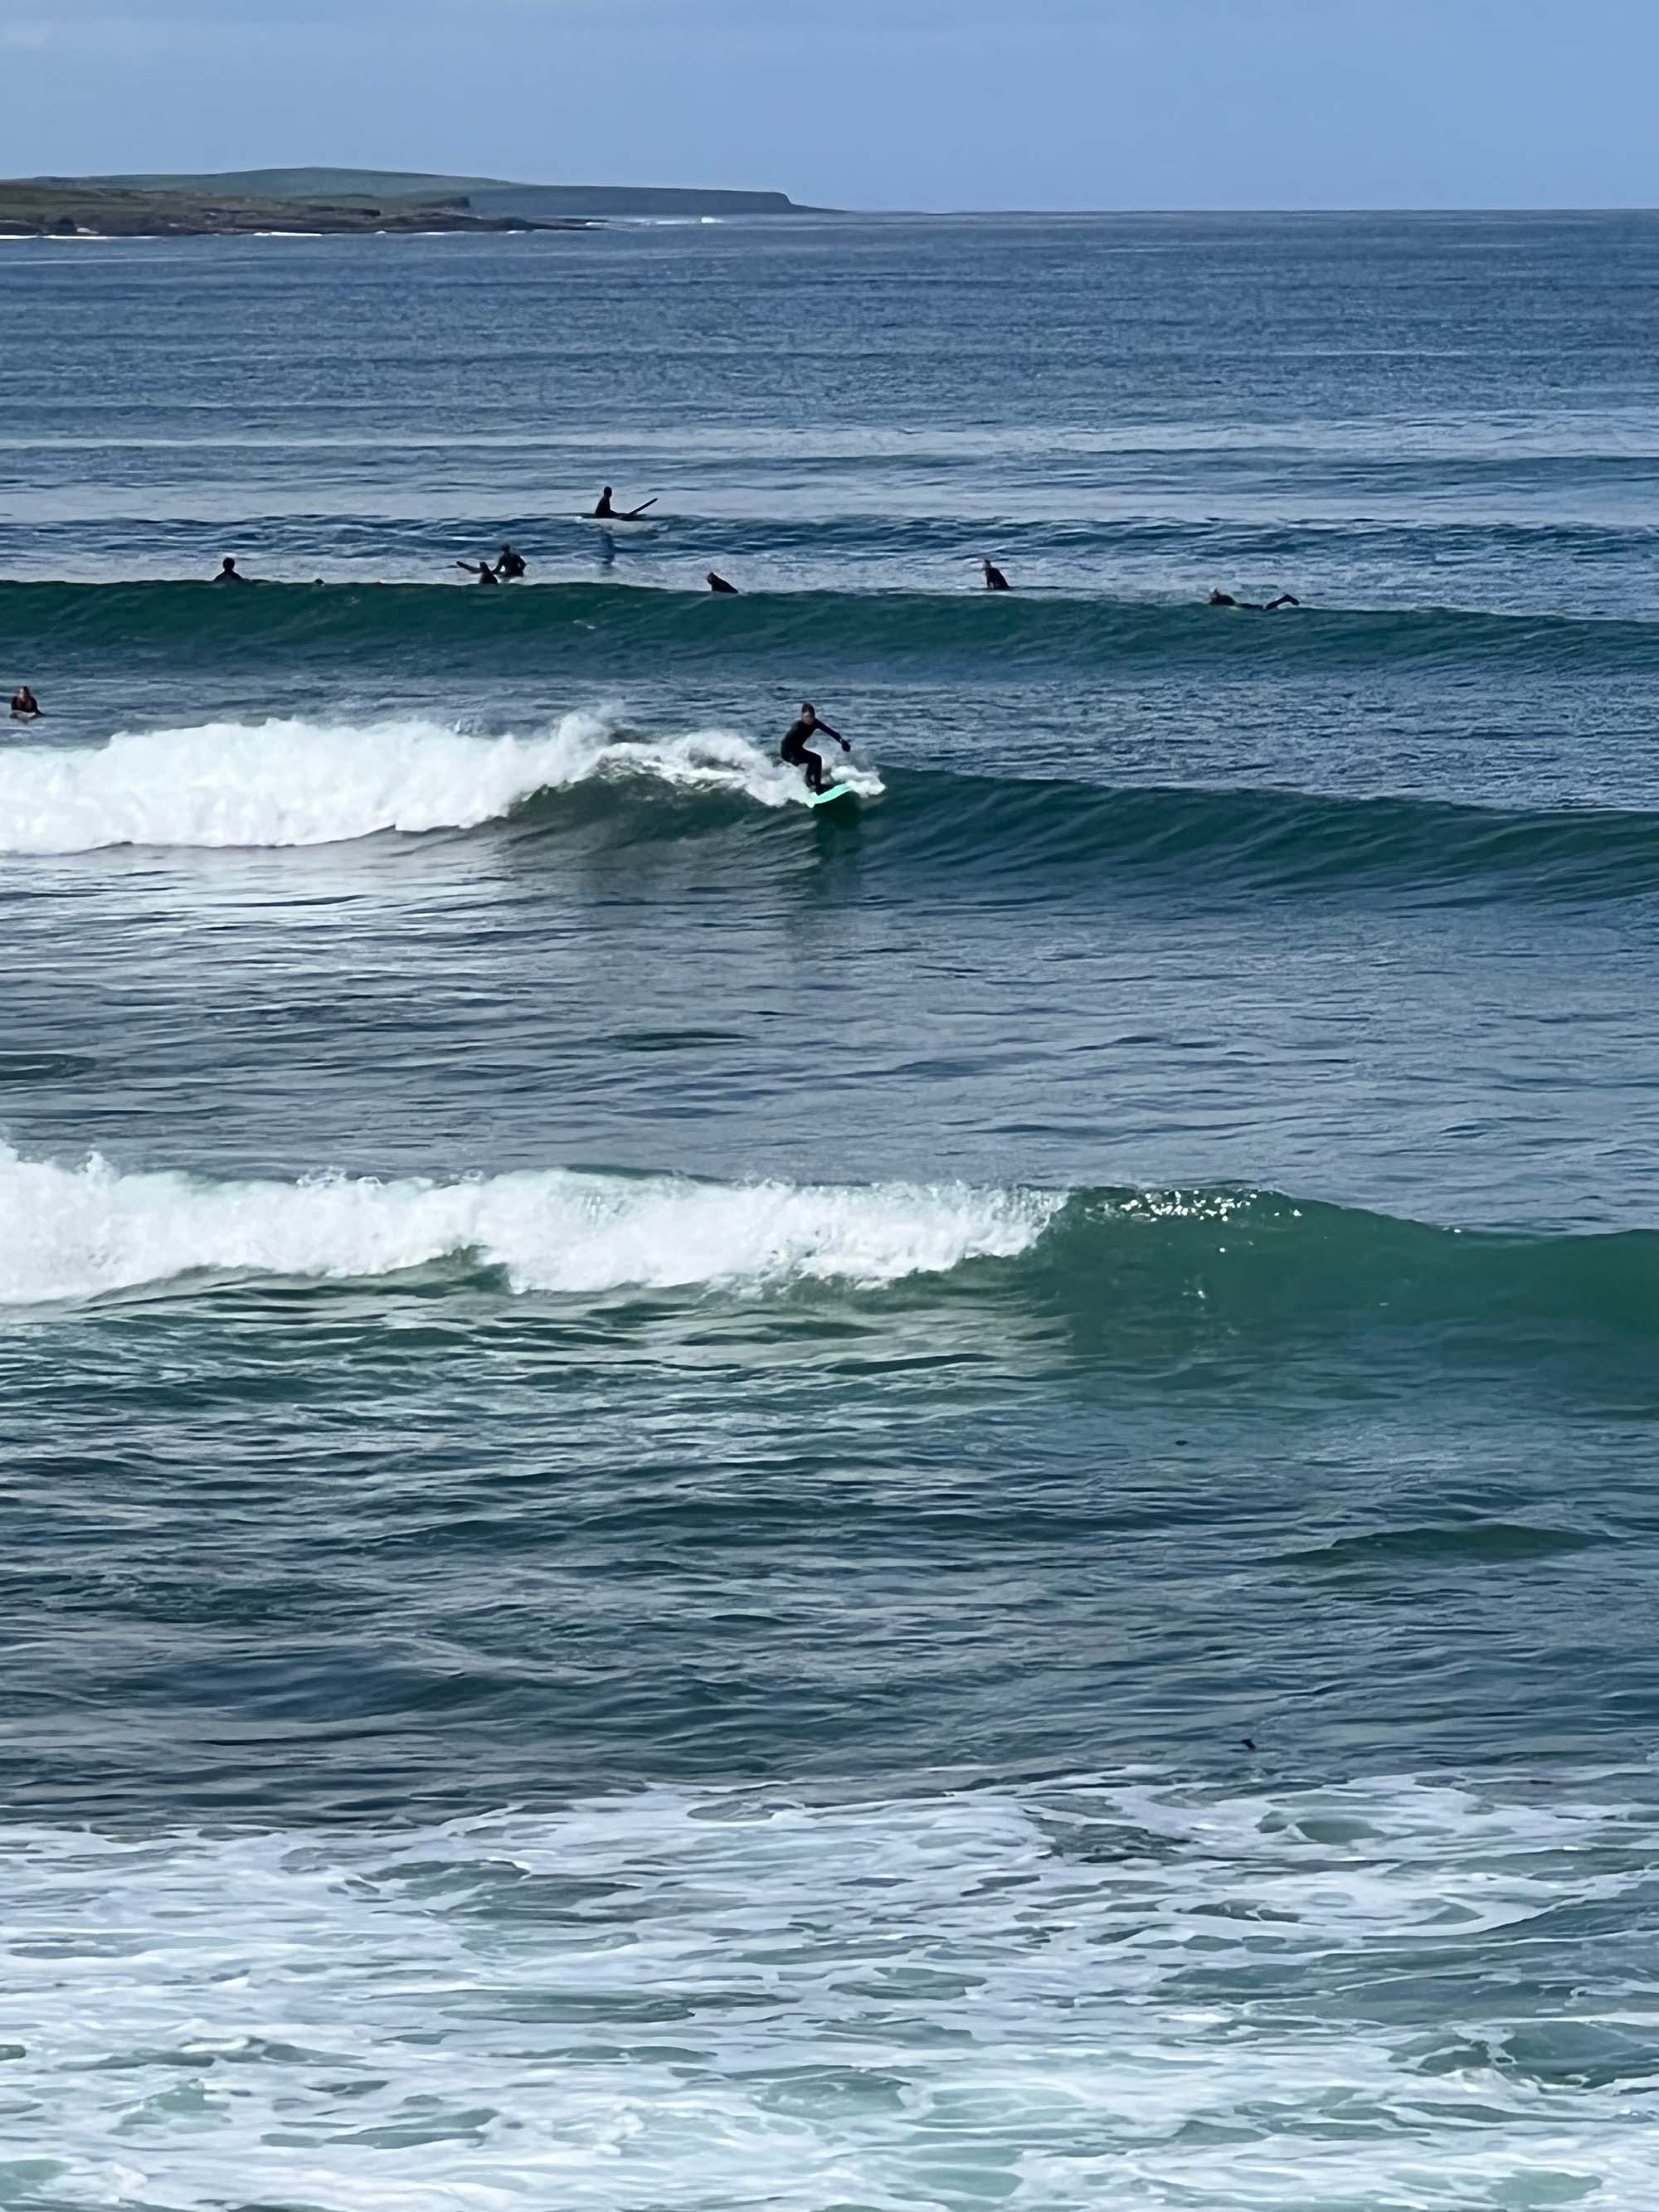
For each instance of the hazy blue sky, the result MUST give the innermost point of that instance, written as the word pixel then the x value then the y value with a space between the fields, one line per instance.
pixel 893 103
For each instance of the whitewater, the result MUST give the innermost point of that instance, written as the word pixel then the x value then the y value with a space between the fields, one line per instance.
pixel 1034 1993
pixel 78 1232
pixel 288 782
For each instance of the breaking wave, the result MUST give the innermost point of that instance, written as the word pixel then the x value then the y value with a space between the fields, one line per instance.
pixel 290 782
pixel 77 1232
pixel 1142 1272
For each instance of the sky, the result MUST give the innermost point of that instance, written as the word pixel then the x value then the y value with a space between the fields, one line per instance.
pixel 925 103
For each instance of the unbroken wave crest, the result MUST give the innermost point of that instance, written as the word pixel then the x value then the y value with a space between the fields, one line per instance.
pixel 291 782
pixel 193 624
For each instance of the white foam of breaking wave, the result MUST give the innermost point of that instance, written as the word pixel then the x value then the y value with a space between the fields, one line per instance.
pixel 1124 1992
pixel 77 1232
pixel 278 783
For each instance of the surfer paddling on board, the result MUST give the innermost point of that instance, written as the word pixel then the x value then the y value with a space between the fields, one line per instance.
pixel 1252 606
pixel 718 583
pixel 795 753
pixel 994 579
pixel 25 706
pixel 604 511
pixel 483 570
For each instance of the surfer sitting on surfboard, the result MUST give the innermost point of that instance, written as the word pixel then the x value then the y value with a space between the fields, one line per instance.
pixel 794 750
pixel 605 512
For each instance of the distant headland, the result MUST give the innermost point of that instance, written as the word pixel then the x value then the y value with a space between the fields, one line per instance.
pixel 328 203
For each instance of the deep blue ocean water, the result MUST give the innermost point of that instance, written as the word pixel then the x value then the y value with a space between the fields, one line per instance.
pixel 949 1503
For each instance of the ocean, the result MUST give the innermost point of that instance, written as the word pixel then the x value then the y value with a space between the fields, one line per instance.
pixel 942 1502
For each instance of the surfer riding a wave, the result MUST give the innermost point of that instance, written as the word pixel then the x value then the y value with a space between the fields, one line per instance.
pixel 795 753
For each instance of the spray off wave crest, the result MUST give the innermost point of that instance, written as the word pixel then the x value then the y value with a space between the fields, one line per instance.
pixel 290 783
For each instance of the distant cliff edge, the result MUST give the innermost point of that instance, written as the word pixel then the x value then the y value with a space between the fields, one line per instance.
pixel 334 201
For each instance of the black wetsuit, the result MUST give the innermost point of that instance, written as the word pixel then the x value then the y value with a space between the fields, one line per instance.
pixel 719 584
pixel 995 580
pixel 795 751
pixel 510 566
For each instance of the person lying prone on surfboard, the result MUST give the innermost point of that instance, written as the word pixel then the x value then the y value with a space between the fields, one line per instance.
pixel 794 750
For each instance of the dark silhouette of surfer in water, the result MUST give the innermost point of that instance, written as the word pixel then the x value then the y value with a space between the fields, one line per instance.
pixel 506 569
pixel 719 584
pixel 604 511
pixel 1252 606
pixel 229 573
pixel 25 706
pixel 994 579
pixel 794 749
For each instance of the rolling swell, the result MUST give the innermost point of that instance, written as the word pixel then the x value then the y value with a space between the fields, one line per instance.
pixel 291 782
pixel 1141 1272
pixel 1041 836
pixel 961 634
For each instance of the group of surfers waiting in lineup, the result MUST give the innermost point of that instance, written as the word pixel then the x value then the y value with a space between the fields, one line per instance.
pixel 510 566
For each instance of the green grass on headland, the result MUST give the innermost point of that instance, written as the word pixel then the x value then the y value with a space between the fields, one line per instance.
pixel 70 206
pixel 244 200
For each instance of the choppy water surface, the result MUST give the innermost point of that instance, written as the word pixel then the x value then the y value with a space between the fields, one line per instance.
pixel 946 1503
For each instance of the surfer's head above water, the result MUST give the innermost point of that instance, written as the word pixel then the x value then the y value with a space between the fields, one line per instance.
pixel 994 579
pixel 228 573
pixel 1252 606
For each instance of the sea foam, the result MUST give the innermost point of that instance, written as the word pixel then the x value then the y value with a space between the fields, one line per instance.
pixel 1114 1992
pixel 293 782
pixel 75 1232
